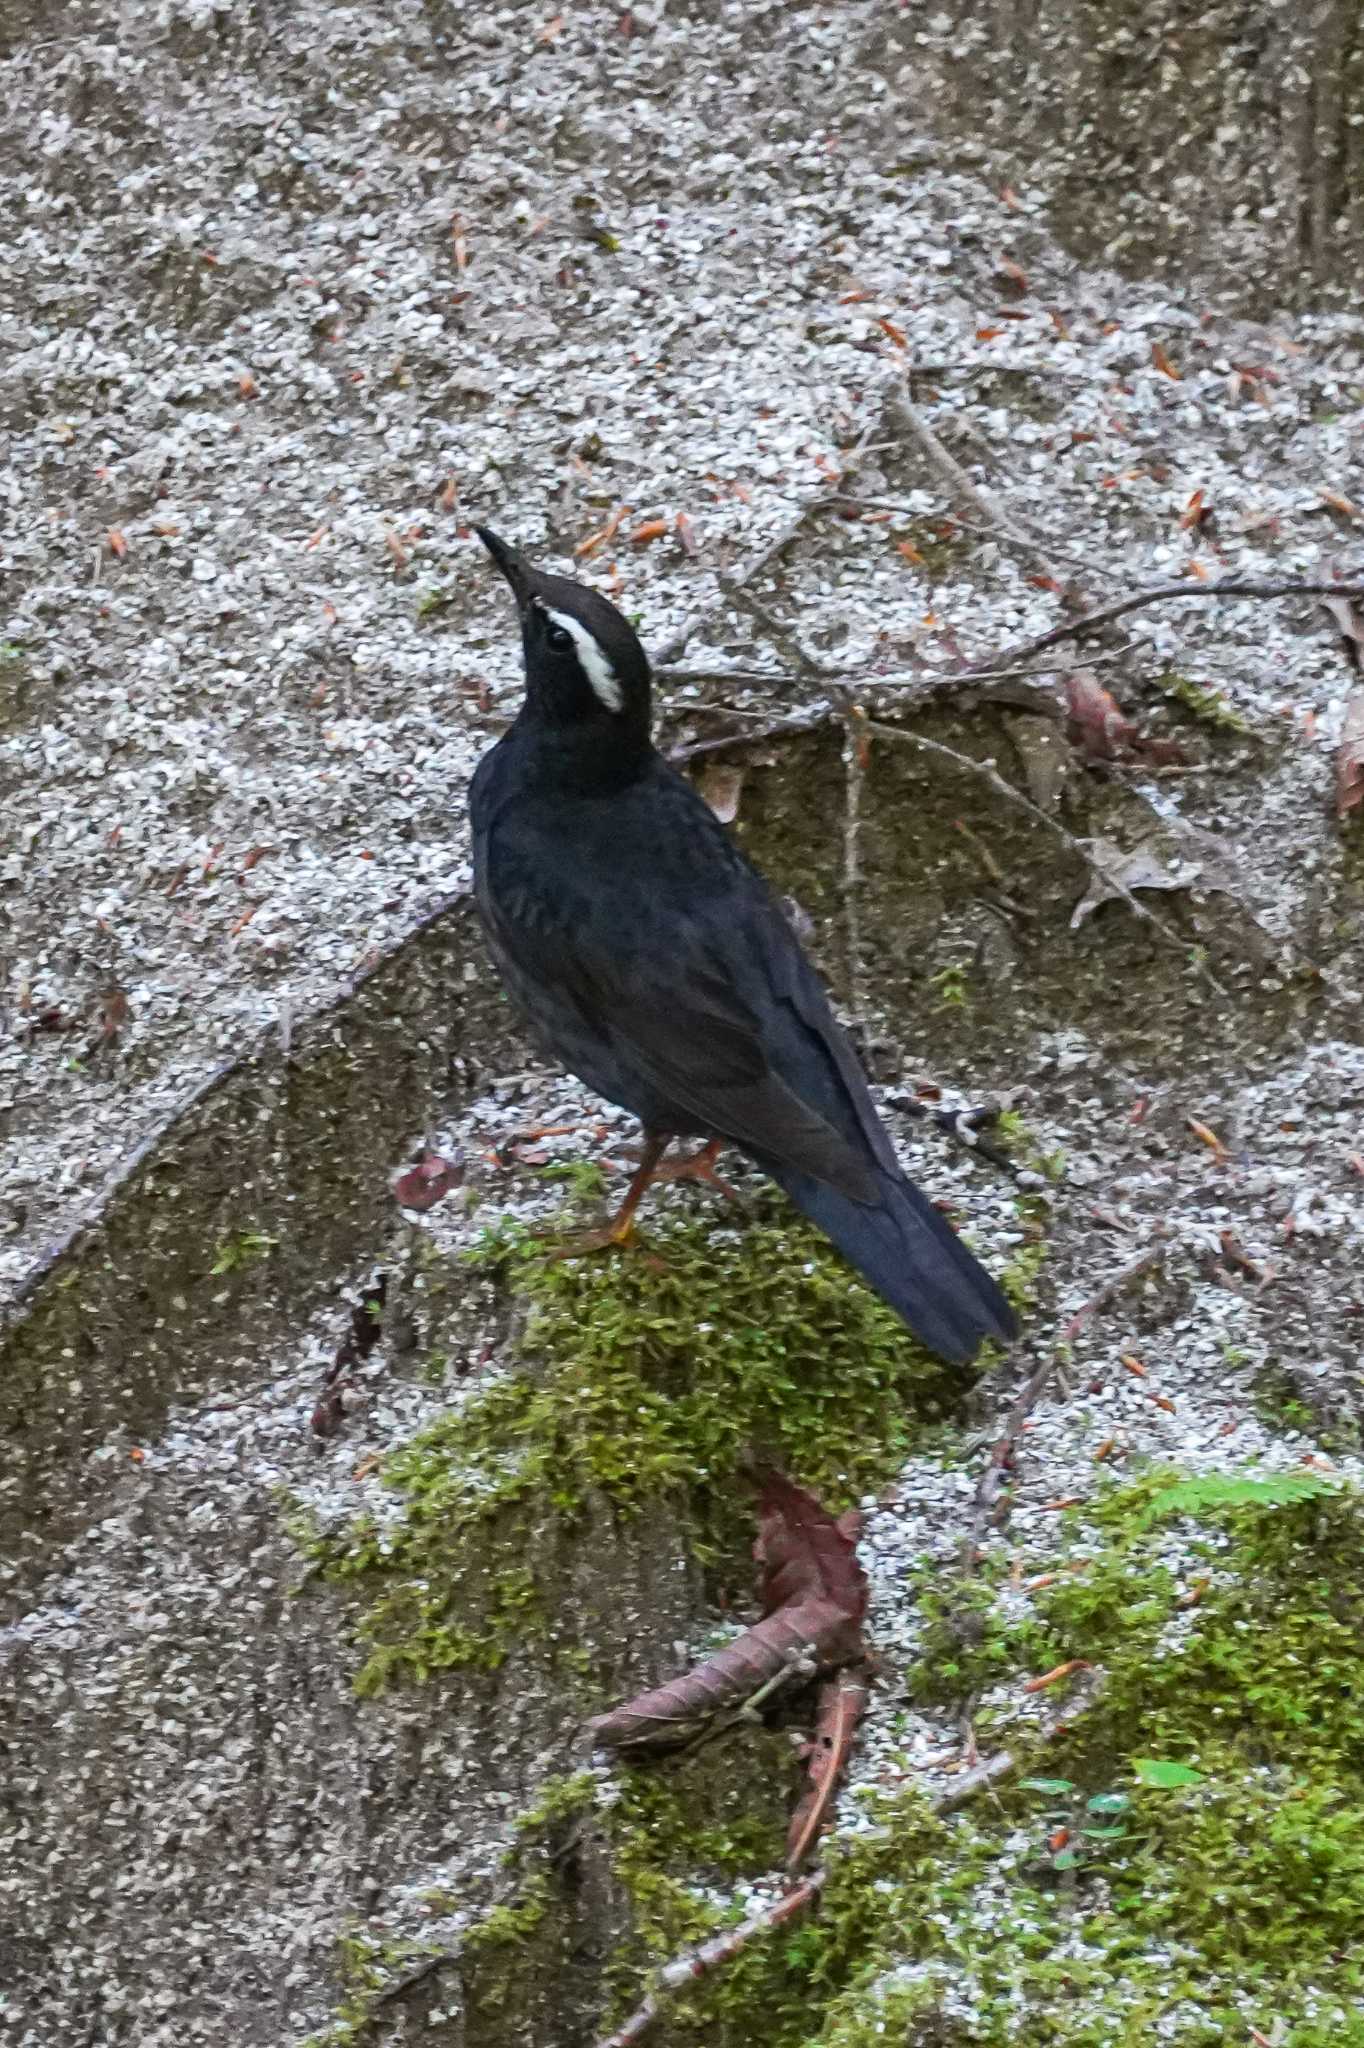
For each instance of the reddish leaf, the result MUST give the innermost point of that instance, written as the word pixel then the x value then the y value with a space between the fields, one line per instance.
pixel 814 1594
pixel 893 334
pixel 842 1703
pixel 118 546
pixel 652 529
pixel 1101 731
pixel 428 1182
pixel 1162 362
pixel 804 1552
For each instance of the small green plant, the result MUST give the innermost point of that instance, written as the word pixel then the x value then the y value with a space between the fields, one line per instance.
pixel 248 1248
pixel 950 985
pixel 1209 707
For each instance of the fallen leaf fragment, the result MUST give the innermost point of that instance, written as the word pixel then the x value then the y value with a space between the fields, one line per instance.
pixel 603 534
pixel 118 546
pixel 1350 758
pixel 842 1703
pixel 1208 1137
pixel 721 786
pixel 1162 362
pixel 1338 503
pixel 397 550
pixel 893 334
pixel 686 534
pixel 1057 1674
pixel 421 1186
pixel 650 530
pixel 1099 728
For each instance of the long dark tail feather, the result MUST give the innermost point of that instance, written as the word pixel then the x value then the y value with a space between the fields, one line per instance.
pixel 914 1259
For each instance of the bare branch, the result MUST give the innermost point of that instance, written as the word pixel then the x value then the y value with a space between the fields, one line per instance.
pixel 1167 593
pixel 721 1948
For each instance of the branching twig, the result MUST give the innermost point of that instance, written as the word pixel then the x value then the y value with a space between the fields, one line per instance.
pixel 1153 1256
pixel 721 1948
pixel 902 412
pixel 986 771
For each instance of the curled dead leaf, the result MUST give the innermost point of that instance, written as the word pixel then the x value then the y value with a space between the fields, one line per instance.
pixel 722 785
pixel 814 1595
pixel 1161 362
pixel 1350 758
pixel 421 1186
pixel 650 530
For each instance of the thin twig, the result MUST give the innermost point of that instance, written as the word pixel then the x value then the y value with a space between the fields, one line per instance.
pixel 1166 593
pixel 721 1948
pixel 986 771
pixel 855 751
pixel 1153 1256
pixel 901 411
pixel 926 679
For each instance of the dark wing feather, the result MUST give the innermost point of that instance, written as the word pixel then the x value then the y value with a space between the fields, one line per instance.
pixel 713 1031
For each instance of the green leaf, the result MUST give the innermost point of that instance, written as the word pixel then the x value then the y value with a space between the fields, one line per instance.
pixel 1104 1834
pixel 1164 1777
pixel 1108 1802
pixel 1059 1786
pixel 1065 1859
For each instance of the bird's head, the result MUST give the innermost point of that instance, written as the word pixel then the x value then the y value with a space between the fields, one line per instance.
pixel 585 668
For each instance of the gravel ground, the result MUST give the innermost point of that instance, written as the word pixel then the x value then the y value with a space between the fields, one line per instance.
pixel 284 299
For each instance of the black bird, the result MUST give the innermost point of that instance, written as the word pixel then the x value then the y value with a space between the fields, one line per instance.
pixel 650 957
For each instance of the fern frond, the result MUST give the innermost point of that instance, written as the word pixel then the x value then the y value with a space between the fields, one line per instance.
pixel 1215 1492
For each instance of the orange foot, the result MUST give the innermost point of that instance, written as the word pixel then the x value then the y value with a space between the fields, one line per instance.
pixel 697 1166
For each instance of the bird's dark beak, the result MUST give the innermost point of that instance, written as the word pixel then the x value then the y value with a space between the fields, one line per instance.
pixel 516 570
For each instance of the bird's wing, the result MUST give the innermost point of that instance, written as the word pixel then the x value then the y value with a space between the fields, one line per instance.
pixel 732 1026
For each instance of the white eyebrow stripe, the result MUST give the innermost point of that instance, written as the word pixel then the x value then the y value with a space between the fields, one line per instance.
pixel 596 667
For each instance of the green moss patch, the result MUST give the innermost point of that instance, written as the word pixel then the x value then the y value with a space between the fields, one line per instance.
pixel 1183 1861
pixel 649 1380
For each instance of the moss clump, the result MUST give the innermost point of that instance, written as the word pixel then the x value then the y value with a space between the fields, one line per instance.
pixel 650 1380
pixel 1209 707
pixel 1219 1889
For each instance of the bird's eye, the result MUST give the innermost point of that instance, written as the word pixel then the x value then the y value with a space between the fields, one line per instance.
pixel 559 638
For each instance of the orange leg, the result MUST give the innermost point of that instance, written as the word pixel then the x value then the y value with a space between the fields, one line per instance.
pixel 698 1166
pixel 621 1228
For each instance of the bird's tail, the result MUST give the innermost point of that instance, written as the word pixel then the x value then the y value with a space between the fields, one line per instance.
pixel 913 1258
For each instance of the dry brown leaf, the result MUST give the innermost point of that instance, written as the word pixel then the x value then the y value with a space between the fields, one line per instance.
pixel 722 785
pixel 1162 860
pixel 911 553
pixel 1343 505
pixel 397 550
pixel 814 1595
pixel 247 385
pixel 118 546
pixel 1351 624
pixel 1350 759
pixel 650 530
pixel 895 335
pixel 1162 362
pixel 604 533
pixel 1101 731
pixel 1195 511
pixel 842 1703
